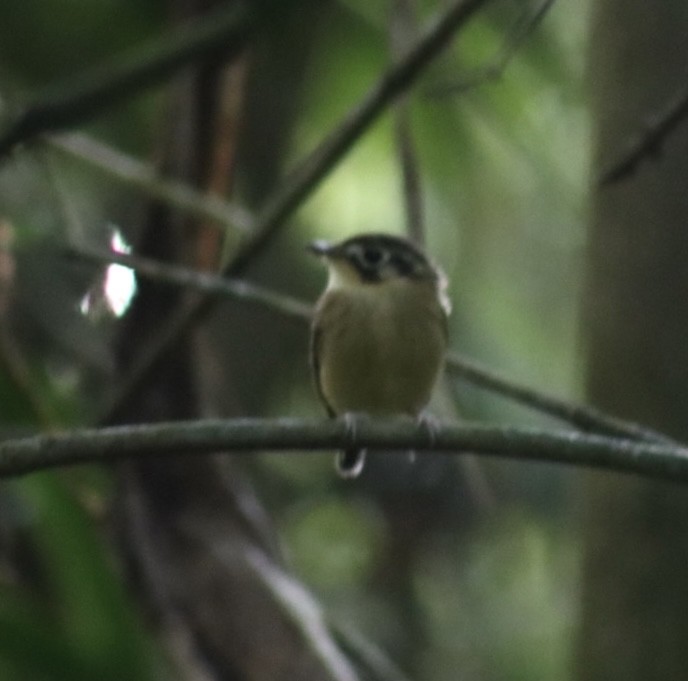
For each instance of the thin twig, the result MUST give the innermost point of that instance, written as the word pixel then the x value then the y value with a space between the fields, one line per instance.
pixel 403 33
pixel 583 417
pixel 105 445
pixel 410 177
pixel 70 219
pixel 18 371
pixel 302 182
pixel 495 69
pixel 145 178
pixel 204 282
pixel 305 613
pixel 312 170
pixel 367 655
pixel 647 142
pixel 219 34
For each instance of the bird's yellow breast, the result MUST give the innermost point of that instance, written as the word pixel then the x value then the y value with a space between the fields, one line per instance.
pixel 380 347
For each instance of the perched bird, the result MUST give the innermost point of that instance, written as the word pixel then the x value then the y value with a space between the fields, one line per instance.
pixel 379 331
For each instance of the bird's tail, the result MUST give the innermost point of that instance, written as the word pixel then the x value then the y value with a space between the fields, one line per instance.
pixel 350 462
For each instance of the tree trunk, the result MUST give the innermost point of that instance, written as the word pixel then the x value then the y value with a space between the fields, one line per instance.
pixel 200 552
pixel 635 599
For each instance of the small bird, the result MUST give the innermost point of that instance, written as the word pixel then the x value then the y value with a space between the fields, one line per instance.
pixel 379 332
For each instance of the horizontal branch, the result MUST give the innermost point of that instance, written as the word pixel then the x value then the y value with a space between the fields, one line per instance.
pixel 106 445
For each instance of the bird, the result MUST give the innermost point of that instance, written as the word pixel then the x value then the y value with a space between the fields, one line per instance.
pixel 378 333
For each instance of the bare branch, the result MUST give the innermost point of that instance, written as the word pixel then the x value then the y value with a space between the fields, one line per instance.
pixel 305 612
pixel 204 282
pixel 19 457
pixel 403 31
pixel 648 141
pixel 144 177
pixel 224 32
pixel 584 417
pixel 398 79
pixel 495 69
pixel 411 181
pixel 367 655
pixel 17 369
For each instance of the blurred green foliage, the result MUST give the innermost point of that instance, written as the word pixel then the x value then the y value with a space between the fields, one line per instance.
pixel 78 623
pixel 503 169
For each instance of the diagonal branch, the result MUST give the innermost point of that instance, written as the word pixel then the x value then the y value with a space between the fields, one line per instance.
pixel 398 79
pixel 210 284
pixel 224 33
pixel 144 177
pixel 584 417
pixel 495 69
pixel 19 457
pixel 305 613
pixel 648 141
pixel 301 183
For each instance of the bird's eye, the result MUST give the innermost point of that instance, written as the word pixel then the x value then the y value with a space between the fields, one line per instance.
pixel 373 256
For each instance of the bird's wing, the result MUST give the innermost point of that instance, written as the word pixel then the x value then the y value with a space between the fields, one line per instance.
pixel 315 350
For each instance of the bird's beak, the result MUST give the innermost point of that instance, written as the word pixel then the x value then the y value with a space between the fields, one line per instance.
pixel 321 248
